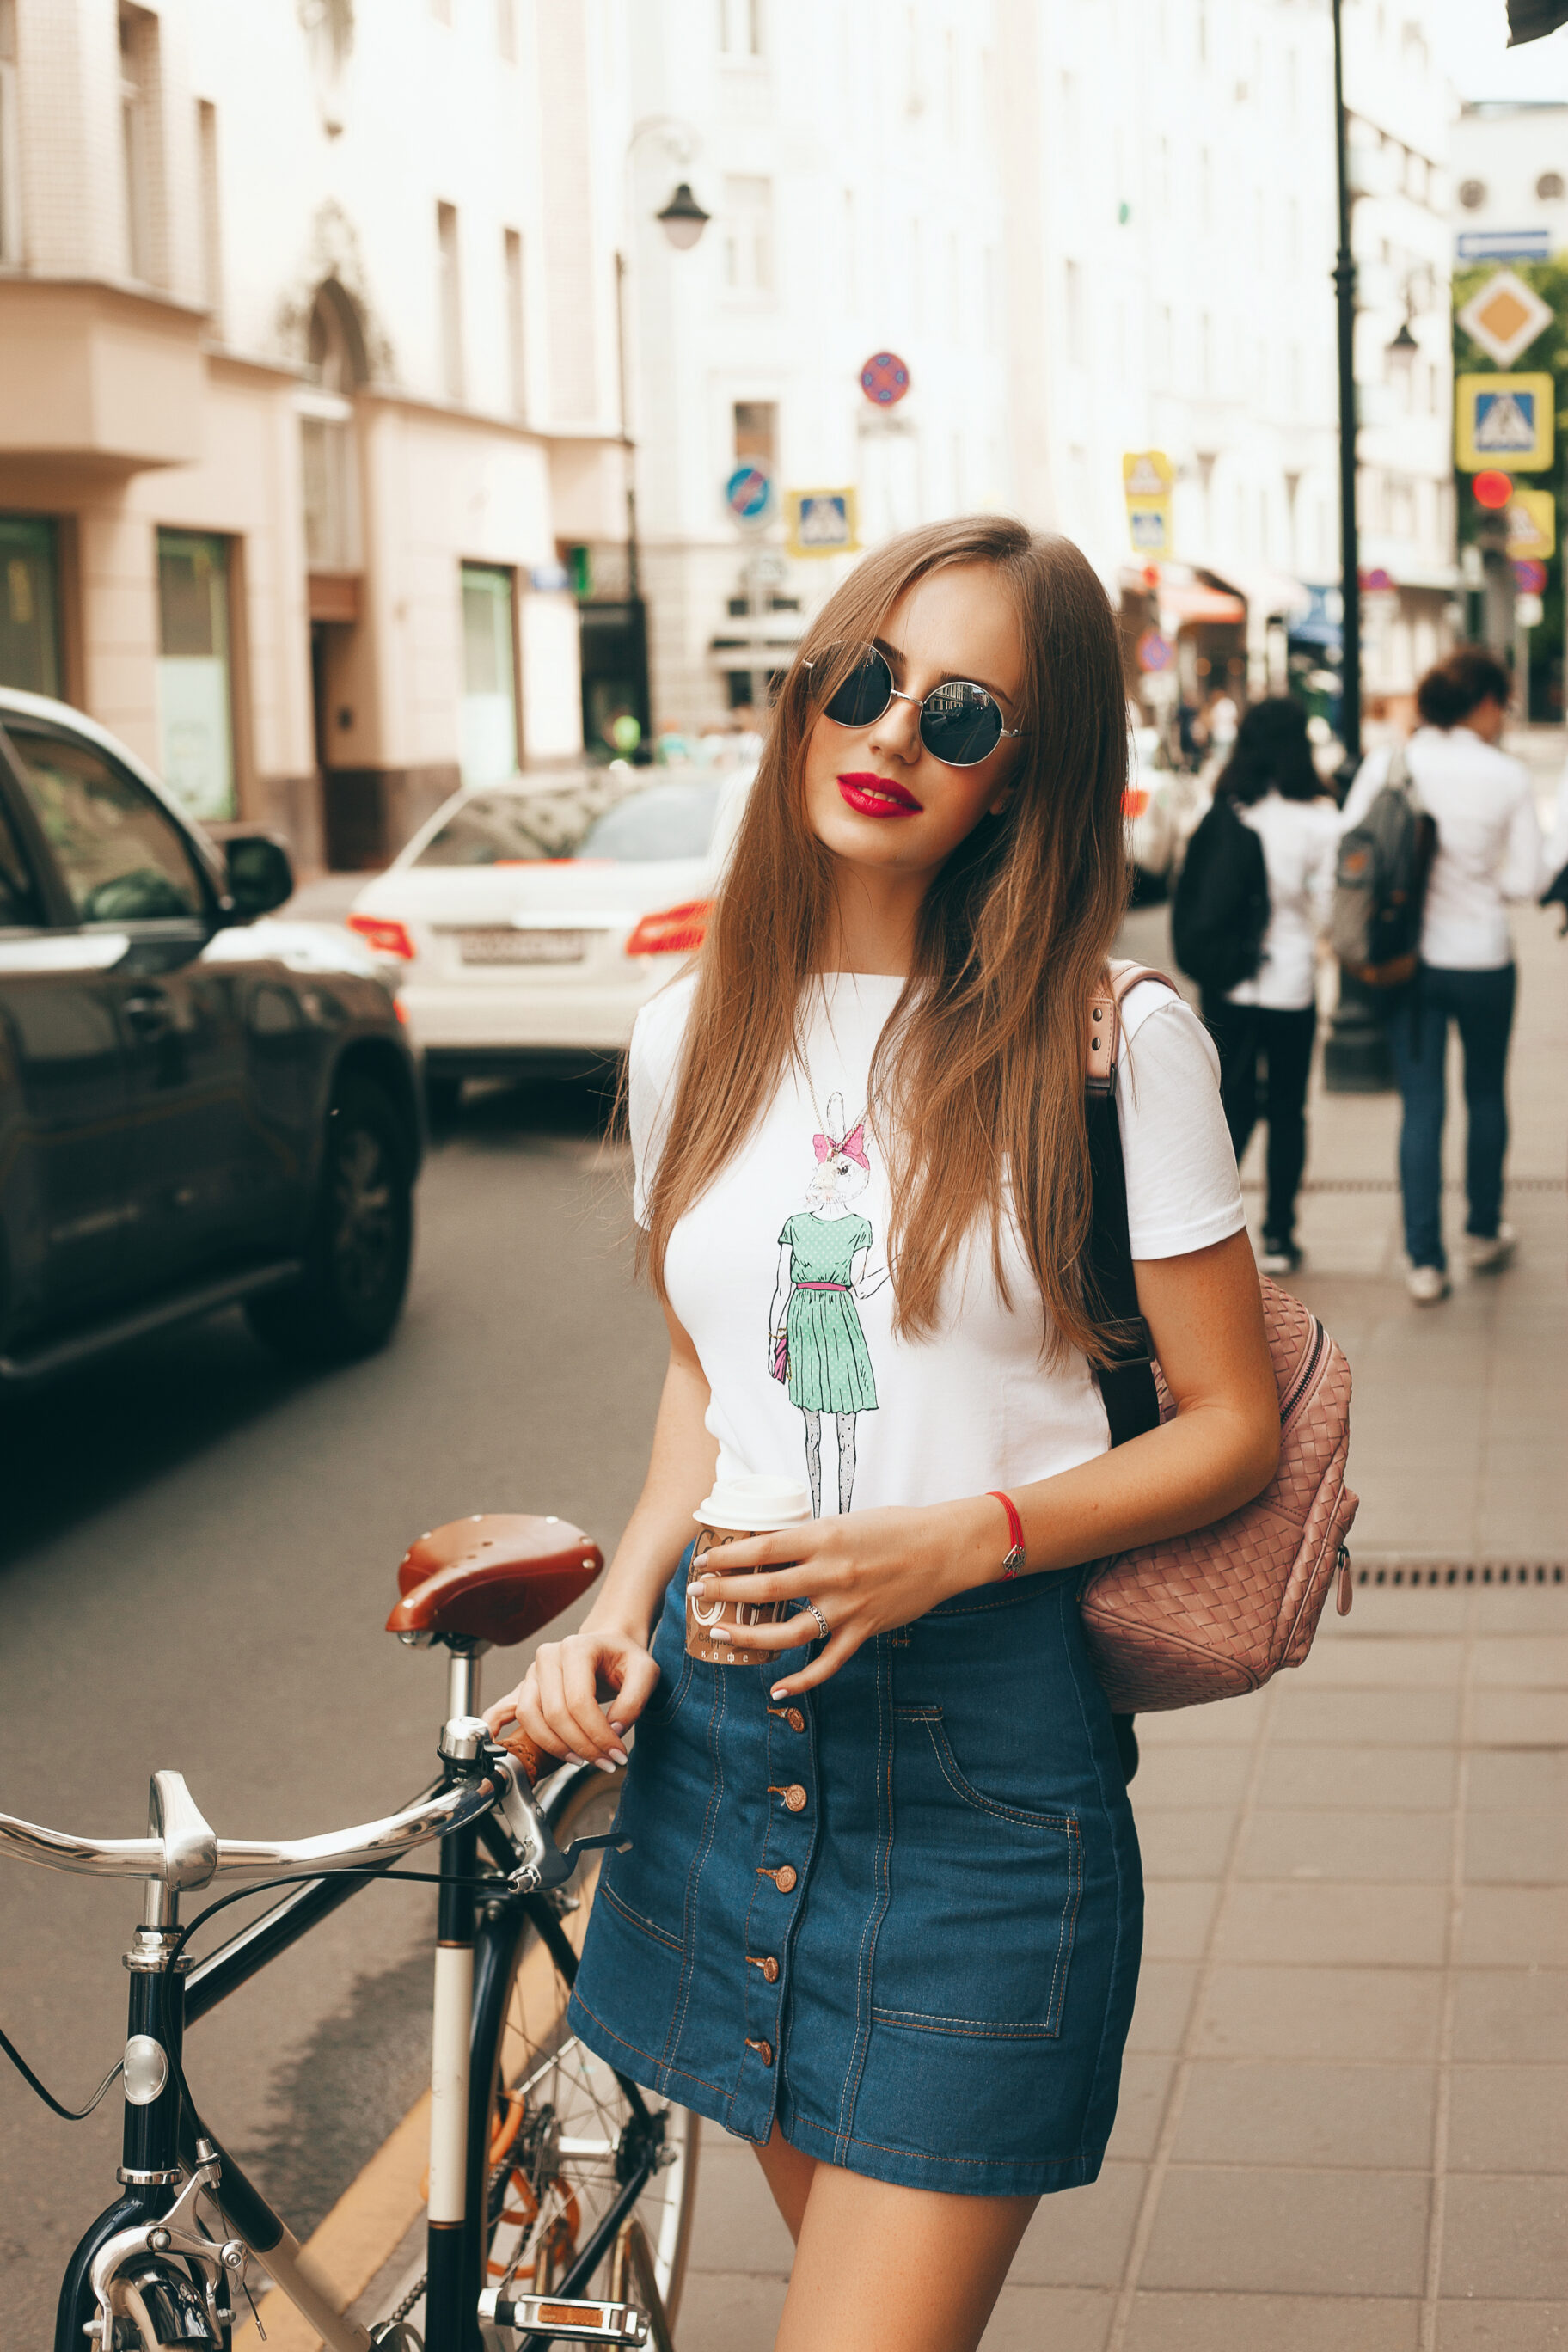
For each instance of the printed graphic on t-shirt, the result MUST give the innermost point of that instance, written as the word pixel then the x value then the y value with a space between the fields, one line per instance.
pixel 816 1345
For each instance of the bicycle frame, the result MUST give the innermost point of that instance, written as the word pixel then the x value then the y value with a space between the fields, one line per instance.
pixel 163 2165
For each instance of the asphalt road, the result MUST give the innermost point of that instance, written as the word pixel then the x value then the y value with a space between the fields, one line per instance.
pixel 196 1560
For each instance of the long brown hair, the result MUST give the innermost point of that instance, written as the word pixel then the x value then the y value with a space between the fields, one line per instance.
pixel 979 1074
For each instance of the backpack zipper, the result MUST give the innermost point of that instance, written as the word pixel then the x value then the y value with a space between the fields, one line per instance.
pixel 1303 1379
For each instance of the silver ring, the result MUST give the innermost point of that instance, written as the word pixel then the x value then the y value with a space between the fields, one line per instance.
pixel 822 1625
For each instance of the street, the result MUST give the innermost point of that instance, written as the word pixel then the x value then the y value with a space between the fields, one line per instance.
pixel 200 1552
pixel 199 1557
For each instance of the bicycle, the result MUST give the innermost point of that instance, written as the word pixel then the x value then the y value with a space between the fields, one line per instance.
pixel 560 2195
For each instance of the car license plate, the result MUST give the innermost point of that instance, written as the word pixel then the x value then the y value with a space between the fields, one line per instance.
pixel 522 947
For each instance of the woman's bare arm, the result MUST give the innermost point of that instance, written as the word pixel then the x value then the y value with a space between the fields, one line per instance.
pixel 558 1700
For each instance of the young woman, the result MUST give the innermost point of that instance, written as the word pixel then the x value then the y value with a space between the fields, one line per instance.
pixel 1267 1023
pixel 1488 851
pixel 881 1909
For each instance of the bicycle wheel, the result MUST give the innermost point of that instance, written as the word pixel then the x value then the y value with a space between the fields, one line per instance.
pixel 562 2126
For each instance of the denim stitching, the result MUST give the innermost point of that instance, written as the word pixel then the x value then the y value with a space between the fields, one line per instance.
pixel 1061 1825
pixel 974 2163
pixel 850 2092
pixel 635 1919
pixel 660 2066
pixel 1109 1799
pixel 1068 1928
pixel 918 2022
pixel 693 1877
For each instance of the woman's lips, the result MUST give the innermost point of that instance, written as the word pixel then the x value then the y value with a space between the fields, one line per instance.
pixel 872 796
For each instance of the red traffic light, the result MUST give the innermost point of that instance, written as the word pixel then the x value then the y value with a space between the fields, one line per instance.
pixel 1493 490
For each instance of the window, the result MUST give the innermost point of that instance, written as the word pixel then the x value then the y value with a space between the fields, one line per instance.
pixel 326 434
pixel 1549 188
pixel 1073 306
pixel 450 290
pixel 488 721
pixel 506 31
pixel 140 159
pixel 756 432
pixel 741 27
pixel 122 858
pixel 211 217
pixel 19 901
pixel 29 605
pixel 516 342
pixel 10 136
pixel 1472 195
pixel 748 234
pixel 195 729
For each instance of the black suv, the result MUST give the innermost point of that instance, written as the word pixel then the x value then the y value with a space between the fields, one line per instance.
pixel 197 1107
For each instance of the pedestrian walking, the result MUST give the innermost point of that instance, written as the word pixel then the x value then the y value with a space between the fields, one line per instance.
pixel 1488 852
pixel 880 1909
pixel 1263 1026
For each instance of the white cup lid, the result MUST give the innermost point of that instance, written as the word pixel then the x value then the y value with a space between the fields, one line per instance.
pixel 754 1505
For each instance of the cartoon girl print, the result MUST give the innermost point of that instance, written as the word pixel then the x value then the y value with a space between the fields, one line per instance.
pixel 816 1343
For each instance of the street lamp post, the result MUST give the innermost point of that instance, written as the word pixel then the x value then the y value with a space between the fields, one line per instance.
pixel 1355 1052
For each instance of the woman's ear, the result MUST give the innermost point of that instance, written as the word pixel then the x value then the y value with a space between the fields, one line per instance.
pixel 999 805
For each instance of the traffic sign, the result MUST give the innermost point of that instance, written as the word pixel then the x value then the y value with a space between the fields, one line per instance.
pixel 749 492
pixel 1154 651
pixel 1505 317
pixel 1503 420
pixel 1530 576
pixel 1532 524
pixel 822 523
pixel 884 379
pixel 1147 476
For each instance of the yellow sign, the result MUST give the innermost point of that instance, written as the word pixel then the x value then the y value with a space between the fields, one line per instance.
pixel 1147 476
pixel 822 523
pixel 1532 525
pixel 1504 421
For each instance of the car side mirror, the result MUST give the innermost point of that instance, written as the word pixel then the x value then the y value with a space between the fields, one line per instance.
pixel 260 877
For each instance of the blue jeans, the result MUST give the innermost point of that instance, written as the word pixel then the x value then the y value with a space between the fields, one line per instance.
pixel 1482 1004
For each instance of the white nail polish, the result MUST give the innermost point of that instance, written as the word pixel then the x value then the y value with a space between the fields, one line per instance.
pixel 604 1763
pixel 619 1755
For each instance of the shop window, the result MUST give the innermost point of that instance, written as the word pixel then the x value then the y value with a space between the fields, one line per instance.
pixel 488 723
pixel 29 604
pixel 756 433
pixel 10 136
pixel 195 722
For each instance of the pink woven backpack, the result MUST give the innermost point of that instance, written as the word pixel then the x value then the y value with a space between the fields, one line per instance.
pixel 1209 1615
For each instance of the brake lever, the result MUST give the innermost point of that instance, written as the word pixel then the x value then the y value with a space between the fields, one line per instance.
pixel 543 1865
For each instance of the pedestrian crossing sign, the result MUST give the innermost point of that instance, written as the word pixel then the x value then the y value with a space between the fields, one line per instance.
pixel 1147 476
pixel 820 523
pixel 1532 525
pixel 1504 420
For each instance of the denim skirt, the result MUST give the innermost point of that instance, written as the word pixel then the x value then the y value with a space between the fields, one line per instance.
pixel 901 1915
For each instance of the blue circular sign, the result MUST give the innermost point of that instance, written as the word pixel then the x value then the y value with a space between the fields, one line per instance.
pixel 749 492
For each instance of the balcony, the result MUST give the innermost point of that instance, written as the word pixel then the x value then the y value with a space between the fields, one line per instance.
pixel 98 376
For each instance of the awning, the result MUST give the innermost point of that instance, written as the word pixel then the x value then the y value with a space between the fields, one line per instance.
pixel 1269 594
pixel 1182 602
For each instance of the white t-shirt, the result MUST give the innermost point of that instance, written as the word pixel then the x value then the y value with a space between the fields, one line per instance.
pixel 1300 848
pixel 1488 842
pixel 792 1238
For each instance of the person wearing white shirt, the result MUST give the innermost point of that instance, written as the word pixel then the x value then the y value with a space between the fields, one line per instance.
pixel 1489 852
pixel 1263 1028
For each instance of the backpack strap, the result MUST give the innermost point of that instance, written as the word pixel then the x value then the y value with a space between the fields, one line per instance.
pixel 1127 1377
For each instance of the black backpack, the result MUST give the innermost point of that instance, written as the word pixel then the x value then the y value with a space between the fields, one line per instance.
pixel 1221 910
pixel 1380 885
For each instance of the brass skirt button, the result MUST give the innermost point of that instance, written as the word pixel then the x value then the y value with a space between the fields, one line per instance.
pixel 784 1878
pixel 769 1967
pixel 794 1796
pixel 764 2050
pixel 795 1720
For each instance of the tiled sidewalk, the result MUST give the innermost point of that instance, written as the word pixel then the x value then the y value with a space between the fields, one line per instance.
pixel 1344 2123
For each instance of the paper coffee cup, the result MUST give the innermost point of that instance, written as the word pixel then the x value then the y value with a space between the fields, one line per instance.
pixel 738 1508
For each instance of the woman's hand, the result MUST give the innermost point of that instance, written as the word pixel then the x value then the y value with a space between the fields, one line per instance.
pixel 864 1572
pixel 558 1701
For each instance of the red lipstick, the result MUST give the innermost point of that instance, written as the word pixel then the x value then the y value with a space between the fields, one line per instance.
pixel 871 795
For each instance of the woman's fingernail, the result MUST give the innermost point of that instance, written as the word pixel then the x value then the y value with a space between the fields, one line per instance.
pixel 605 1764
pixel 619 1754
pixel 697 1591
pixel 618 1728
pixel 779 1690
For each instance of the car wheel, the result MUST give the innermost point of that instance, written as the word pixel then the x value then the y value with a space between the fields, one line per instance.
pixel 348 1300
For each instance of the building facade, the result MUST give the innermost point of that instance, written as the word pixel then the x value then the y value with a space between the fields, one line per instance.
pixel 297 408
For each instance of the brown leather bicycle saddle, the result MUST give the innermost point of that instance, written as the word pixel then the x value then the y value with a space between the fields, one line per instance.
pixel 498 1577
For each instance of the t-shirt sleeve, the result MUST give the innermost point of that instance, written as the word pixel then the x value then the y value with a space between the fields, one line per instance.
pixel 1183 1191
pixel 652 1065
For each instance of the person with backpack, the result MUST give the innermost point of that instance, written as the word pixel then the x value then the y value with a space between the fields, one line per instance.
pixel 1487 850
pixel 1255 895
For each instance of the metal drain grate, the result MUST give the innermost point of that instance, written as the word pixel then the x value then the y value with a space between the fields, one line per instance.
pixel 1421 1574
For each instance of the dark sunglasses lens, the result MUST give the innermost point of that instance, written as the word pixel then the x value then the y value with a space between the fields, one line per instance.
pixel 961 725
pixel 864 694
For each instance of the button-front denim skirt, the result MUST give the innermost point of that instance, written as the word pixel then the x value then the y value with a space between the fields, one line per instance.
pixel 901 1915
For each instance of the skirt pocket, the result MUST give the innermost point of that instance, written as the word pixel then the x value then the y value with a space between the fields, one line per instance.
pixel 982 1899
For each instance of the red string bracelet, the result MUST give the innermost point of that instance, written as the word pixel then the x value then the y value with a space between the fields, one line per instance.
pixel 1016 1551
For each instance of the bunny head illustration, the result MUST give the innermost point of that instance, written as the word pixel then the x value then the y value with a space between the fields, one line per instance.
pixel 843 1169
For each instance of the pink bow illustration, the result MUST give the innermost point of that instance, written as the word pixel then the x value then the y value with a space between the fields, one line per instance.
pixel 853 1147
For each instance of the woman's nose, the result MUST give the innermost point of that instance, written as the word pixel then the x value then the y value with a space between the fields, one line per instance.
pixel 898 732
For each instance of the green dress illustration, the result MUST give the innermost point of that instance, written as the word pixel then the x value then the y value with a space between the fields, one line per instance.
pixel 816 1343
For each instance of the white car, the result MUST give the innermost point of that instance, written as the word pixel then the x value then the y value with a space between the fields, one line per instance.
pixel 527 922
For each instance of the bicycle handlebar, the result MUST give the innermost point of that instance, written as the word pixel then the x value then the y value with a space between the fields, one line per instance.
pixel 185 1852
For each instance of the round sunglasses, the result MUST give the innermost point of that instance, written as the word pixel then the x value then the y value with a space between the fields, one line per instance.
pixel 961 723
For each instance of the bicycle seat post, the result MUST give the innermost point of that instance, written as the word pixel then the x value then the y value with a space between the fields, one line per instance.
pixel 463 1673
